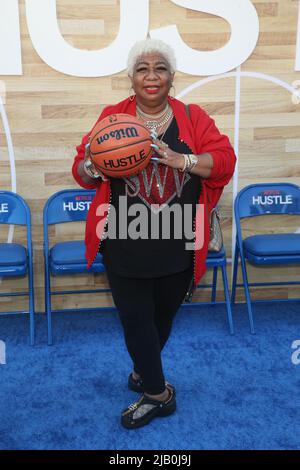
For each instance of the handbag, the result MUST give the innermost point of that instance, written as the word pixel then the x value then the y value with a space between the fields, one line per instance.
pixel 216 238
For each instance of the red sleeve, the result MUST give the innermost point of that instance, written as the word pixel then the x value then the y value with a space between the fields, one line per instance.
pixel 81 152
pixel 210 140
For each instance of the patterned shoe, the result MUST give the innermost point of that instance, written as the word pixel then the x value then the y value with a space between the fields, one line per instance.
pixel 138 385
pixel 145 409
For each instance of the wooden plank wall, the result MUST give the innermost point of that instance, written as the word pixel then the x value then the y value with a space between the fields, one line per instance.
pixel 49 112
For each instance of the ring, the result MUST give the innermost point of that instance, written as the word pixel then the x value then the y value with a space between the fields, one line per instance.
pixel 164 144
pixel 165 154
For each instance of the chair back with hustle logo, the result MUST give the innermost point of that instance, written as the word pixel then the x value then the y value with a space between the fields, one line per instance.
pixel 280 199
pixel 67 257
pixel 15 258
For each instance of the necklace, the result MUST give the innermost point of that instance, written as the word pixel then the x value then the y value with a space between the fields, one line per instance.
pixel 153 125
pixel 153 116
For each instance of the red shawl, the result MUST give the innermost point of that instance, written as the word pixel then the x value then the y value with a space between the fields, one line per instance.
pixel 200 133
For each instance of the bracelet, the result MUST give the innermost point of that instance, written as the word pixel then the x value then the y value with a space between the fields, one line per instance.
pixel 185 163
pixel 87 164
pixel 192 162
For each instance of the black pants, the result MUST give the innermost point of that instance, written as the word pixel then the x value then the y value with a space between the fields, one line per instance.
pixel 147 308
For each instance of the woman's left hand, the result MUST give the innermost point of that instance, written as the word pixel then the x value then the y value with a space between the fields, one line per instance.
pixel 167 156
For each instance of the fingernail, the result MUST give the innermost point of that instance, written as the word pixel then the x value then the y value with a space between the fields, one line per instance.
pixel 87 145
pixel 153 135
pixel 154 159
pixel 154 146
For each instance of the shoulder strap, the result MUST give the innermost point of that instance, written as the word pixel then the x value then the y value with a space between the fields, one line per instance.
pixel 187 109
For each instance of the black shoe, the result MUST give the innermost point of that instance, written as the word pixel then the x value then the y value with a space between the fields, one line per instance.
pixel 145 409
pixel 137 385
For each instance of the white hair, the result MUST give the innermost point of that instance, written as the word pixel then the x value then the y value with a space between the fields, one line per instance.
pixel 145 47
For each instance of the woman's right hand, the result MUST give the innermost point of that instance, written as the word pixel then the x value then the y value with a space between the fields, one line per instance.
pixel 90 168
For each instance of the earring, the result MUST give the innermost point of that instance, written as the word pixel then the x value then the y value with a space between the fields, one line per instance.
pixel 131 95
pixel 174 91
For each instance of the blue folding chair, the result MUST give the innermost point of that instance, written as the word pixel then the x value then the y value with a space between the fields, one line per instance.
pixel 269 249
pixel 67 258
pixel 16 259
pixel 216 260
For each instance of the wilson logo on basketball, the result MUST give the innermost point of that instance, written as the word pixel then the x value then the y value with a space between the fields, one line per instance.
pixel 118 134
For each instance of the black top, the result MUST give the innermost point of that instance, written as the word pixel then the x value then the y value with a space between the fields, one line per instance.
pixel 153 252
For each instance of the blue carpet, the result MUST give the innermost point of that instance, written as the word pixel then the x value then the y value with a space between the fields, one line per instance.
pixel 234 392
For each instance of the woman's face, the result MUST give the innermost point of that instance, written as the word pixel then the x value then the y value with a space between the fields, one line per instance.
pixel 152 79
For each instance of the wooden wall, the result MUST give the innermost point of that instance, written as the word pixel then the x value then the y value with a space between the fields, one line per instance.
pixel 49 112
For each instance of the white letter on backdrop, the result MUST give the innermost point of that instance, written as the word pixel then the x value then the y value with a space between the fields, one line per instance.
pixel 244 22
pixel 10 41
pixel 297 66
pixel 61 56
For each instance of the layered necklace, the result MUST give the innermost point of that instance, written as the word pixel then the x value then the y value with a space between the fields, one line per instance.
pixel 155 121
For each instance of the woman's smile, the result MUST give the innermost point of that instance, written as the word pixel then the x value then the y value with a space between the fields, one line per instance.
pixel 152 89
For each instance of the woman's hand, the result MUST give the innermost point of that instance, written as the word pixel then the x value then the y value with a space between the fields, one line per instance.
pixel 167 156
pixel 89 167
pixel 202 167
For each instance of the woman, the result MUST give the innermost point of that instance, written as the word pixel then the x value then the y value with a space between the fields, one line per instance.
pixel 149 276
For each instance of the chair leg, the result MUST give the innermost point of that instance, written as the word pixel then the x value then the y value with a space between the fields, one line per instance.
pixel 32 320
pixel 49 326
pixel 247 294
pixel 234 276
pixel 48 304
pixel 49 320
pixel 214 285
pixel 31 309
pixel 227 299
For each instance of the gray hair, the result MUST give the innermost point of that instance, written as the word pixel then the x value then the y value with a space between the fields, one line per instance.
pixel 145 47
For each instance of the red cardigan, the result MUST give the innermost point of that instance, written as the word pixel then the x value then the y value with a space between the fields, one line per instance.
pixel 202 136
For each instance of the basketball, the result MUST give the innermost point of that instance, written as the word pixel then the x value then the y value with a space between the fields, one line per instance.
pixel 120 145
